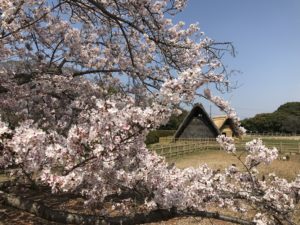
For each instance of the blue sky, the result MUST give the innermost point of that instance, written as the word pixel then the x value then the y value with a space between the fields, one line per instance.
pixel 266 36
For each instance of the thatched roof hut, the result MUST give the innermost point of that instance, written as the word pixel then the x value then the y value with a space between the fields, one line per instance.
pixel 225 125
pixel 197 124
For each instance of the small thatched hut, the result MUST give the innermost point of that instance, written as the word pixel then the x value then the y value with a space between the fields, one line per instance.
pixel 225 125
pixel 197 124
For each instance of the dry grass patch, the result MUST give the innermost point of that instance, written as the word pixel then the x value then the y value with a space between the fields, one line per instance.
pixel 220 160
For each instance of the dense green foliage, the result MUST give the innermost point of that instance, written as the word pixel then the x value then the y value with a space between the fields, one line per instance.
pixel 286 119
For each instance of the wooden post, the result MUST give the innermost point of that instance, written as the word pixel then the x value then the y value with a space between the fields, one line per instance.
pixel 161 151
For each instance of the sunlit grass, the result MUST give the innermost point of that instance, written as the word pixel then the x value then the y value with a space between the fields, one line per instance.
pixel 219 160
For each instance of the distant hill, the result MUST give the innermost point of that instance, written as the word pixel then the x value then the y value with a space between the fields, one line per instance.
pixel 286 119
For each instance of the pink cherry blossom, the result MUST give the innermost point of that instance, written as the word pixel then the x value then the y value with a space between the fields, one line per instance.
pixel 82 83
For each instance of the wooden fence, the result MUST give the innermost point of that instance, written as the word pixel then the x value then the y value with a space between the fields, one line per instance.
pixel 170 139
pixel 273 134
pixel 181 149
pixel 169 148
pixel 282 147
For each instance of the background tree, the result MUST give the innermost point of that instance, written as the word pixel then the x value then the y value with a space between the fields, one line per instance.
pixel 175 121
pixel 286 119
pixel 168 129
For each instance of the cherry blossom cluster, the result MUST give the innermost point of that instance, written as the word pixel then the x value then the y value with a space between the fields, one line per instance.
pixel 83 82
pixel 51 101
pixel 272 194
pixel 3 127
pixel 227 143
pixel 95 151
pixel 259 153
pixel 225 106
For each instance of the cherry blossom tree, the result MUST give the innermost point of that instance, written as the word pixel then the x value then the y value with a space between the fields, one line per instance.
pixel 84 81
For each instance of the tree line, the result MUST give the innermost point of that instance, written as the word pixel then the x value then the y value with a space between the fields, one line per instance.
pixel 286 119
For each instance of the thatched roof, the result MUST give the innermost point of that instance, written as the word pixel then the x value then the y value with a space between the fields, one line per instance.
pixel 224 120
pixel 219 120
pixel 199 112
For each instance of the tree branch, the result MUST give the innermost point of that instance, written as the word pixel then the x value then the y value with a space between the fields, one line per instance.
pixel 40 210
pixel 30 23
pixel 76 74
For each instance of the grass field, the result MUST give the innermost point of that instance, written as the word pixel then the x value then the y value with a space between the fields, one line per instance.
pixel 218 159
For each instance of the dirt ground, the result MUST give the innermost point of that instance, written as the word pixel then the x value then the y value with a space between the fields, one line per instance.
pixel 12 216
